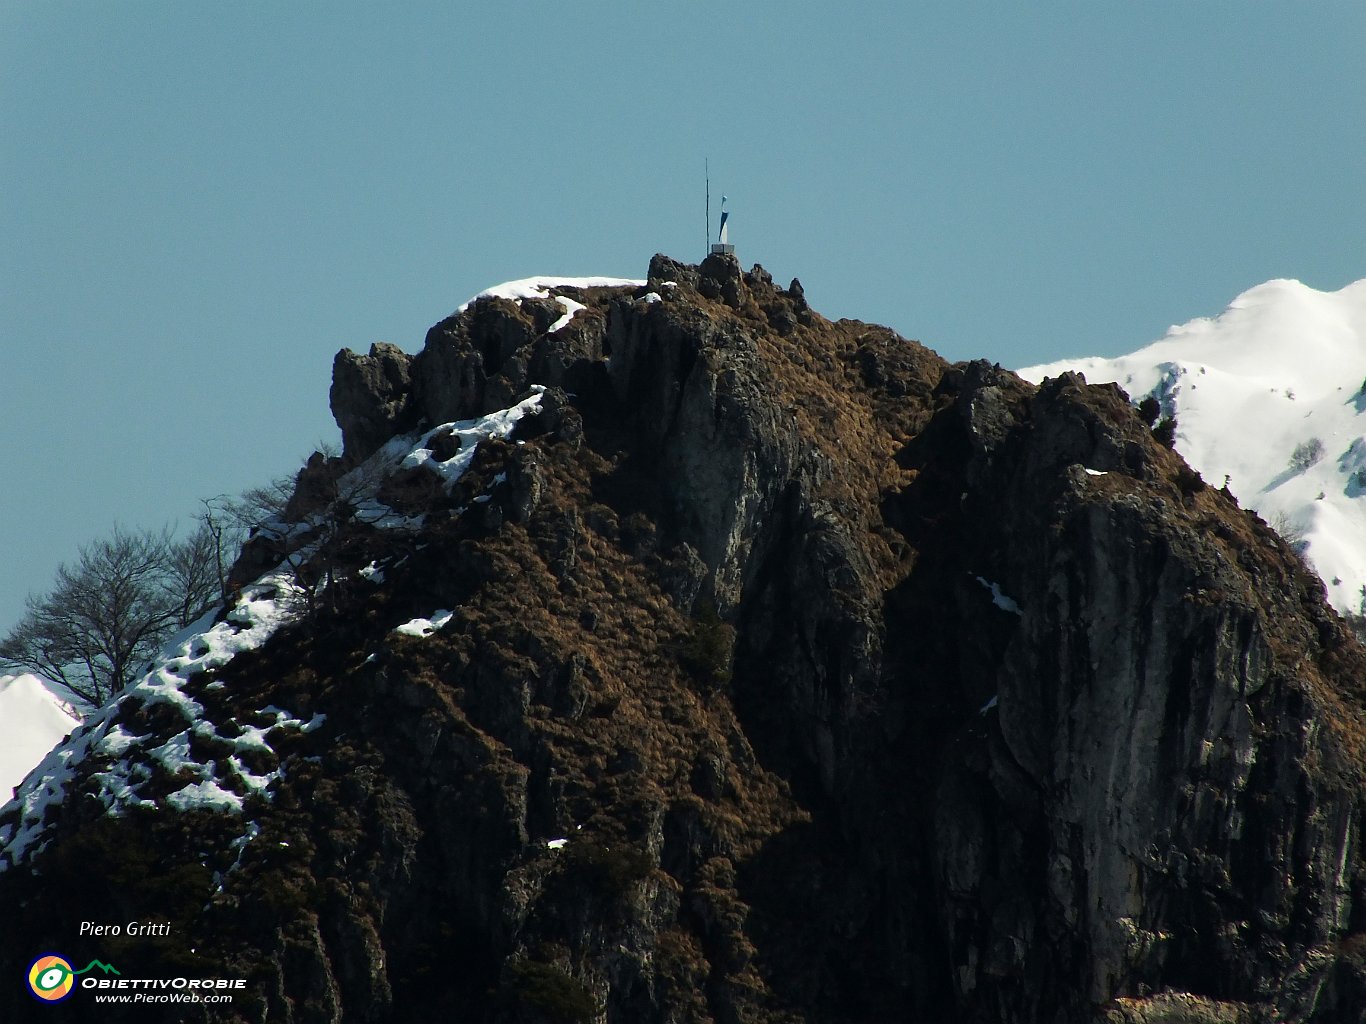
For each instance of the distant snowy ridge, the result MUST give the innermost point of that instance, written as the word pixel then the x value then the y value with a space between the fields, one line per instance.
pixel 32 722
pixel 1270 394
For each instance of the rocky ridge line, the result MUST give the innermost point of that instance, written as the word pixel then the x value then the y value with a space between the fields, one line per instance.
pixel 784 672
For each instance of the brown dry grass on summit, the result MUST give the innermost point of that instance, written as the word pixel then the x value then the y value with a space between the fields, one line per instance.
pixel 619 698
pixel 858 392
pixel 853 421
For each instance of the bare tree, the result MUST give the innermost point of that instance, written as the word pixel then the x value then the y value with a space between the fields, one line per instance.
pixel 109 612
pixel 341 506
pixel 226 523
pixel 1291 532
pixel 193 574
pixel 126 594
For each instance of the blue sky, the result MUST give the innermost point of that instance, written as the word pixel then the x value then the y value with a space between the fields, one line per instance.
pixel 200 203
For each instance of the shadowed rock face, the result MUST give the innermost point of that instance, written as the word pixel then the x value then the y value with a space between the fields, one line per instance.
pixel 858 686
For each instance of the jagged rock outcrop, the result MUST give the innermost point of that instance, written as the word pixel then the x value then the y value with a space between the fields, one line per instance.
pixel 768 669
pixel 371 396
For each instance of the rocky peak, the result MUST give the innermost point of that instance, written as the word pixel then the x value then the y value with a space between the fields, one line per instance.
pixel 683 655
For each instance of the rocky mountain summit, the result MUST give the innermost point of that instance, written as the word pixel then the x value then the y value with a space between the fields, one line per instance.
pixel 670 653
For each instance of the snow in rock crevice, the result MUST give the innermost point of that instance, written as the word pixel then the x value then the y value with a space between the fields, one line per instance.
pixel 999 599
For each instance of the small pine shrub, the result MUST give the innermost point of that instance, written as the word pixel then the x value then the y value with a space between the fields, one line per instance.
pixel 1189 481
pixel 552 993
pixel 608 871
pixel 1306 454
pixel 707 653
pixel 1165 431
pixel 1149 410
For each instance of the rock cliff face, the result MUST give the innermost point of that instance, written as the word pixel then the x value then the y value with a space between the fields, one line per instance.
pixel 770 669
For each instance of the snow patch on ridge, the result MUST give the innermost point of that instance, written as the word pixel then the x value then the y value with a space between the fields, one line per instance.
pixel 425 627
pixel 570 307
pixel 410 451
pixel 541 288
pixel 469 433
pixel 260 610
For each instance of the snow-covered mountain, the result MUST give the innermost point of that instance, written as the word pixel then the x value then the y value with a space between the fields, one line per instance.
pixel 32 722
pixel 1269 397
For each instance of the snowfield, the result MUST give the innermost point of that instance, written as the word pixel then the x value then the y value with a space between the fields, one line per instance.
pixel 1269 396
pixel 32 722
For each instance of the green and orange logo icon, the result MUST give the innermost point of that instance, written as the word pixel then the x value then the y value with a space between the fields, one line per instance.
pixel 51 978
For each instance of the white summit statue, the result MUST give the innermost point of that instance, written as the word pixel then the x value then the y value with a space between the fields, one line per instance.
pixel 722 243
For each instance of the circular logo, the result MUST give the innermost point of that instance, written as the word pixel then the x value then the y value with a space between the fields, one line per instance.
pixel 51 978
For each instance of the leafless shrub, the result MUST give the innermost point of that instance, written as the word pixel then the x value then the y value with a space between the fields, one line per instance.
pixel 1291 532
